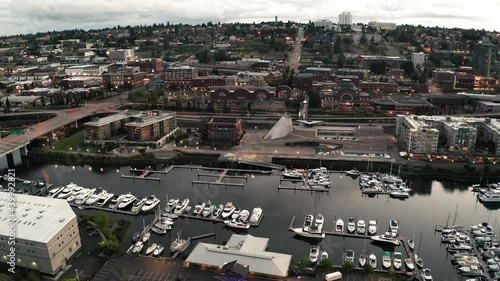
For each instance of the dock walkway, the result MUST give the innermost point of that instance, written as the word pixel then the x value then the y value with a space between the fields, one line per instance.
pixel 188 243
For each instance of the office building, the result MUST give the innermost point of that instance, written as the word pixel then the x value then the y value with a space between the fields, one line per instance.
pixel 121 55
pixel 419 58
pixel 221 131
pixel 483 57
pixel 182 75
pixel 88 69
pixel 127 77
pixel 46 233
pixel 345 18
pixel 148 65
pixel 327 24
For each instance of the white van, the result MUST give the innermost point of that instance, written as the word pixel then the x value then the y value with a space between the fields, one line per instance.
pixel 333 276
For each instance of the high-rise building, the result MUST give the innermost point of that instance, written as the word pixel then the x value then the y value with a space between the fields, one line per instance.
pixel 483 57
pixel 345 18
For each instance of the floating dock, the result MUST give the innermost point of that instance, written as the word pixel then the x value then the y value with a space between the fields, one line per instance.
pixel 141 177
pixel 217 183
pixel 181 250
pixel 216 220
pixel 310 189
pixel 106 209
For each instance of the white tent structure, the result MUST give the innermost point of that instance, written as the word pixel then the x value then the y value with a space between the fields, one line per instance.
pixel 281 129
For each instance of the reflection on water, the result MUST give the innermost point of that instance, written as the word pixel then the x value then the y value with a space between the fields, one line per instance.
pixel 430 204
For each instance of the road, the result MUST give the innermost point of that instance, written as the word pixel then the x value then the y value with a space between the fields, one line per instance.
pixel 64 117
pixel 294 59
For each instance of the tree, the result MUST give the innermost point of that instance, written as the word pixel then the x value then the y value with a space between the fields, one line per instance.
pixel 363 40
pixel 326 264
pixel 348 267
pixel 378 67
pixel 7 105
pixel 314 99
pixel 32 276
pixel 102 221
pixel 188 106
pixel 210 107
pixel 341 60
pixel 368 269
pixel 337 47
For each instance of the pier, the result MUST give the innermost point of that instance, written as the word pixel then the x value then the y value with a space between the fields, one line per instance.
pixel 217 220
pixel 114 210
pixel 217 183
pixel 141 177
pixel 310 189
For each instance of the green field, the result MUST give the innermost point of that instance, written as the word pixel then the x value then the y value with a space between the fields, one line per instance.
pixel 74 142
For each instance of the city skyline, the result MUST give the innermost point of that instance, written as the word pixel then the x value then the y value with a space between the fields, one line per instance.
pixel 39 16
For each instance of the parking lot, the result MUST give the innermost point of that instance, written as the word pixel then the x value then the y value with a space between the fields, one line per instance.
pixel 145 275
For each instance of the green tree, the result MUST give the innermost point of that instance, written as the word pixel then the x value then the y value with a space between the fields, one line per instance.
pixel 326 264
pixel 32 276
pixel 210 107
pixel 363 40
pixel 341 60
pixel 348 267
pixel 314 99
pixel 102 221
pixel 337 47
pixel 368 269
pixel 305 262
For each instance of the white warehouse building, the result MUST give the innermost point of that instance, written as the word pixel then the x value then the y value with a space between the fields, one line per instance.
pixel 46 232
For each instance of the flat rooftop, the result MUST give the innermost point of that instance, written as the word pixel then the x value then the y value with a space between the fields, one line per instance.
pixel 148 118
pixel 225 120
pixel 37 218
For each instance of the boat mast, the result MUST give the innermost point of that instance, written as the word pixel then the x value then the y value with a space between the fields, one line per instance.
pixel 390 173
pixel 456 214
pixel 419 243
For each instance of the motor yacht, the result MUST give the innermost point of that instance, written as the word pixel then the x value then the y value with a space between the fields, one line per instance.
pixel 178 243
pixel 181 206
pixel 171 205
pixel 399 194
pixel 151 249
pixel 308 222
pixel 159 250
pixel 137 206
pixel 67 191
pixel 372 261
pixel 387 237
pixel 372 227
pixel 409 264
pixel 319 221
pixel 115 200
pixel 228 210
pixel 207 211
pixel 394 226
pixel 95 197
pixel 236 213
pixel 398 260
pixel 361 227
pixel 353 173
pixel 84 195
pixel 137 247
pixel 351 225
pixel 127 200
pixel 349 256
pixel 150 204
pixel 158 231
pixel 492 196
pixel 237 224
pixel 386 260
pixel 339 226
pixel 53 193
pixel 293 174
pixel 198 209
pixel 314 254
pixel 256 215
pixel 426 275
pixel 217 211
pixel 244 215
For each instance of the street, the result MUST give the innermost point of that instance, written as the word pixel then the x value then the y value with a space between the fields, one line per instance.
pixel 294 59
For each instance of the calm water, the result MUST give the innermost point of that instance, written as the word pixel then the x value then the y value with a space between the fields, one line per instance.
pixel 431 203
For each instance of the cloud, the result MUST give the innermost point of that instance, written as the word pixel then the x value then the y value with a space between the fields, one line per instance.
pixel 42 15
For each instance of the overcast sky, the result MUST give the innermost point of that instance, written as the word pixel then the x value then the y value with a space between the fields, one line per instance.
pixel 29 16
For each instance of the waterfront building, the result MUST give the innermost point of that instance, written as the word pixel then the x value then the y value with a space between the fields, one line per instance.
pixel 416 136
pixel 46 233
pixel 150 126
pixel 248 250
pixel 221 131
pixel 461 136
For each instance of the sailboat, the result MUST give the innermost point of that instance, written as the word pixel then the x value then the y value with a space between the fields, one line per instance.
pixel 362 257
pixel 479 186
pixel 411 242
pixel 418 260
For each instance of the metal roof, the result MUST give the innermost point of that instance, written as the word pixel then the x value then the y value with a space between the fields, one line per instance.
pixel 21 98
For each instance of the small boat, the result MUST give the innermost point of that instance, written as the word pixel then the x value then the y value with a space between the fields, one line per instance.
pixel 394 226
pixel 426 275
pixel 409 264
pixel 136 237
pixel 217 211
pixel 353 173
pixel 397 262
pixel 387 237
pixel 314 254
pixel 362 260
pixel 159 250
pixel 158 230
pixel 228 210
pixel 399 194
pixel 372 227
pixel 237 224
pixel 178 243
pixel 386 260
pixel 137 206
pixel 293 174
pixel 318 222
pixel 339 226
pixel 207 211
pixel 256 215
pixel 411 244
pixel 198 209
pixel 151 203
pixel 151 249
pixel 470 269
pixel 361 227
pixel 349 256
pixel 324 256
pixel 372 261
pixel 418 261
pixel 146 237
pixel 351 225
pixel 236 213
pixel 244 215
pixel 137 247
pixel 181 206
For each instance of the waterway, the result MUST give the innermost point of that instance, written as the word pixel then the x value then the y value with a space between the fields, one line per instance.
pixel 430 204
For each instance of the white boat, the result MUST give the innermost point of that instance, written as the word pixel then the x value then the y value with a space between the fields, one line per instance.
pixel 159 250
pixel 394 226
pixel 115 201
pixel 398 260
pixel 256 215
pixel 361 227
pixel 84 195
pixel 409 264
pixel 411 244
pixel 362 260
pixel 127 200
pixel 492 196
pixel 324 256
pixel 177 243
pixel 314 254
pixel 236 213
pixel 158 230
pixel 137 247
pixel 165 224
pixel 228 210
pixel 339 226
pixel 372 227
pixel 237 224
pixel 349 256
pixel 55 191
pixel 95 197
pixel 67 191
pixel 418 261
pixel 351 225
pixel 171 205
pixel 387 237
pixel 217 211
pixel 146 237
pixel 198 209
pixel 399 194
pixel 319 221
pixel 137 206
pixel 151 203
pixel 353 173
pixel 386 260
pixel 308 222
pixel 71 199
pixel 151 249
pixel 470 269
pixel 207 210
pixel 372 261
pixel 293 174
pixel 244 215
pixel 426 275
pixel 181 206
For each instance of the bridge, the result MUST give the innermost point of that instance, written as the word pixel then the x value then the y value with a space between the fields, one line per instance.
pixel 14 142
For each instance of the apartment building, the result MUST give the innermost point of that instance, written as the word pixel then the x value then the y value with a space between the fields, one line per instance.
pixel 180 75
pixel 416 135
pixel 460 136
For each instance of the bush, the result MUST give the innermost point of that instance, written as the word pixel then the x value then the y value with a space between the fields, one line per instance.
pixel 348 267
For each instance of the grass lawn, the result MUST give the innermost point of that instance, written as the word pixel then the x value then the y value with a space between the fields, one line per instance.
pixel 75 142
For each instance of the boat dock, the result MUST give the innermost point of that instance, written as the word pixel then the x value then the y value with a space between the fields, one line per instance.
pixel 114 210
pixel 141 177
pixel 216 220
pixel 188 243
pixel 310 189
pixel 217 183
